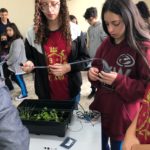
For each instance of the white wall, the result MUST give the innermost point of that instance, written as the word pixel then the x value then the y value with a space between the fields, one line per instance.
pixel 78 7
pixel 22 11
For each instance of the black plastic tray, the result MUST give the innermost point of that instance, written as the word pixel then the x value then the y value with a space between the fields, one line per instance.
pixel 49 127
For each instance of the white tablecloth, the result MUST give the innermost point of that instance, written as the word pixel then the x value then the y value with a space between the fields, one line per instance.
pixel 88 137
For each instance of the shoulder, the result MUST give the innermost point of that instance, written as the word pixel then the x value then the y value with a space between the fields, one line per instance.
pixel 100 29
pixel 30 37
pixel 99 23
pixel 106 41
pixel 147 44
pixel 18 41
pixel 106 44
pixel 90 27
pixel 30 34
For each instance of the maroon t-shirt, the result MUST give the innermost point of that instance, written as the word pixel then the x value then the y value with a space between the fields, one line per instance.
pixel 143 121
pixel 57 52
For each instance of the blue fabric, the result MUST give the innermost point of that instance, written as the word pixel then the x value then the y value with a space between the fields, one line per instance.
pixel 105 145
pixel 77 98
pixel 21 84
pixel 115 145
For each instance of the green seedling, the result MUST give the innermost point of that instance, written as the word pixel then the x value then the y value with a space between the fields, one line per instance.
pixel 44 115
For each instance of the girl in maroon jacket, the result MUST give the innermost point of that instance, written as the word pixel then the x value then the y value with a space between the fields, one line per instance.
pixel 121 82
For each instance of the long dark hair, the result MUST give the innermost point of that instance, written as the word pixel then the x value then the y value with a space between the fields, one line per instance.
pixel 143 9
pixel 17 33
pixel 136 29
pixel 135 26
pixel 41 25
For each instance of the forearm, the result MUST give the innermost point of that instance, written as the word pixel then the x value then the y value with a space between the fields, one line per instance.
pixel 129 89
pixel 130 136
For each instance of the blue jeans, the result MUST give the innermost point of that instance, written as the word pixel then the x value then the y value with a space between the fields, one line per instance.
pixel 22 85
pixel 77 100
pixel 115 145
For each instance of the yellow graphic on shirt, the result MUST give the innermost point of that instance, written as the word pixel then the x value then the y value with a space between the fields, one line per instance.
pixel 148 96
pixel 143 129
pixel 54 57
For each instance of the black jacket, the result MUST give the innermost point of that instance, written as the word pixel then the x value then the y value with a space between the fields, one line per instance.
pixel 35 53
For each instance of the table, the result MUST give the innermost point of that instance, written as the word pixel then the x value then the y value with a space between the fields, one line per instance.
pixel 88 137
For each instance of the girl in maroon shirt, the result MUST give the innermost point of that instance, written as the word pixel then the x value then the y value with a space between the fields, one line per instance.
pixel 55 43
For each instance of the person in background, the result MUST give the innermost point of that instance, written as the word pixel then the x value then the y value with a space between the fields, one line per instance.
pixel 16 56
pixel 95 36
pixel 55 44
pixel 121 81
pixel 4 21
pixel 144 11
pixel 73 19
pixel 4 50
pixel 138 131
pixel 14 136
pixel 4 47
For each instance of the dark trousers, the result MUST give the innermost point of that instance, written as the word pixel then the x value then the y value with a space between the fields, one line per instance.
pixel 93 88
pixel 114 145
pixel 7 74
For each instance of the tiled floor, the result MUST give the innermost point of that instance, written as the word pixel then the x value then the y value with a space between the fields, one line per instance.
pixel 85 90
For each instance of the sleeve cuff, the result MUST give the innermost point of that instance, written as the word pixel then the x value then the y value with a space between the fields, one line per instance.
pixel 117 80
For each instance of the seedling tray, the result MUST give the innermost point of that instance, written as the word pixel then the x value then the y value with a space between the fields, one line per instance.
pixel 48 127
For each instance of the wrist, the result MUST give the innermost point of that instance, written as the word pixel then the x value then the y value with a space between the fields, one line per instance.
pixel 68 68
